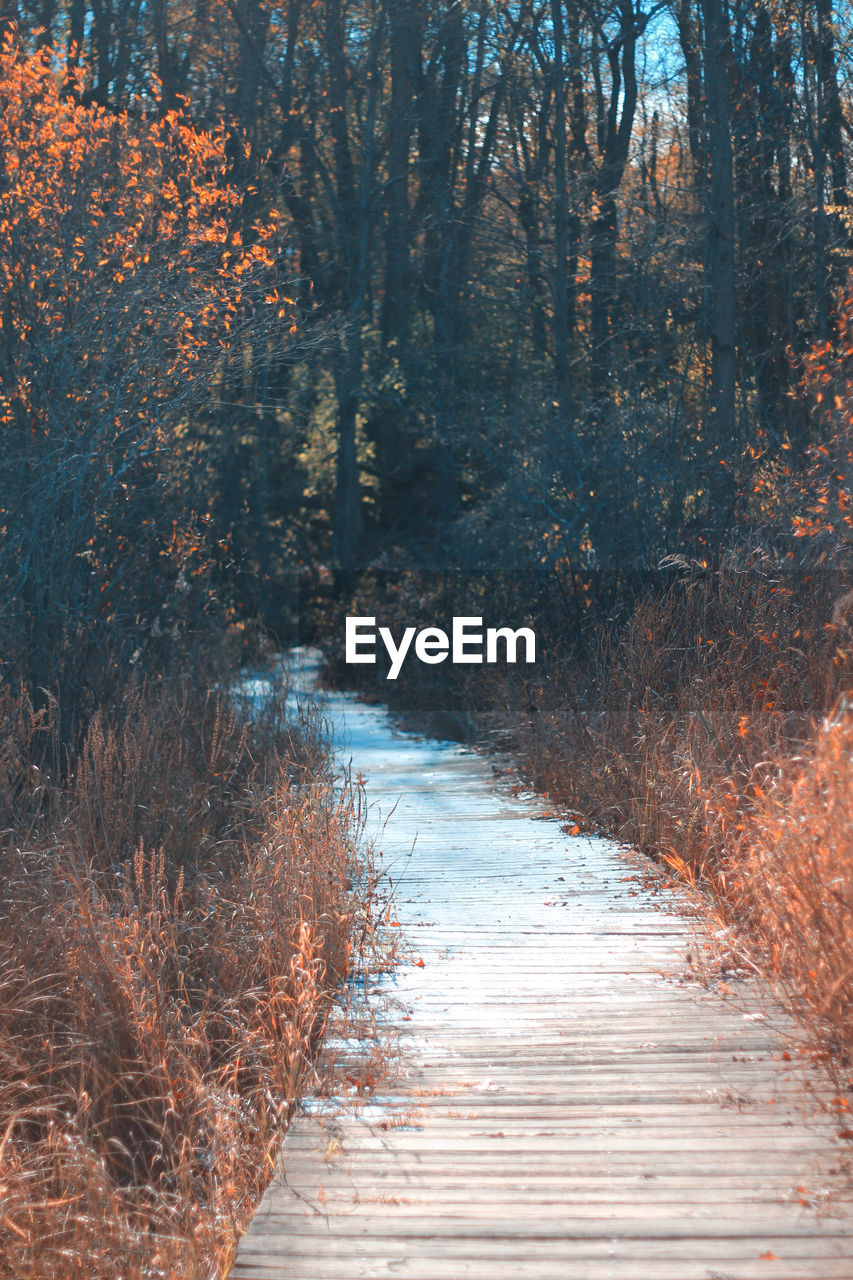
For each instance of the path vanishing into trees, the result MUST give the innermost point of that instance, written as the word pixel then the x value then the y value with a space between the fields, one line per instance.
pixel 567 1101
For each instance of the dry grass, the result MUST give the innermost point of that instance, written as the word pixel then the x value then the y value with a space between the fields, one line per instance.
pixel 177 909
pixel 716 733
pixel 791 877
pixel 714 730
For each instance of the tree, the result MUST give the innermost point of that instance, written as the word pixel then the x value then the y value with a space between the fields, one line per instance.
pixel 721 224
pixel 124 290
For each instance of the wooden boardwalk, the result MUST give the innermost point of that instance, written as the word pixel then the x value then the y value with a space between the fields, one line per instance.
pixel 565 1104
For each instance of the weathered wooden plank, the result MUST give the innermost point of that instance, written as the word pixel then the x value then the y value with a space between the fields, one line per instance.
pixel 607 1269
pixel 335 1252
pixel 566 1098
pixel 355 1222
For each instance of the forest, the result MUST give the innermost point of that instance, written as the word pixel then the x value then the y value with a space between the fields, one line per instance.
pixel 537 311
pixel 558 282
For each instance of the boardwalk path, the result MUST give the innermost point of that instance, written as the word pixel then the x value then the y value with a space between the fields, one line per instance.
pixel 564 1105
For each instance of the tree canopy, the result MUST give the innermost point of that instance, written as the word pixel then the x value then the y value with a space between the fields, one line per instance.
pixel 554 267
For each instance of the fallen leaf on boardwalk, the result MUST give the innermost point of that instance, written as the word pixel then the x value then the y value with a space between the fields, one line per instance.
pixel 767 1257
pixel 419 964
pixel 846 1133
pixel 575 831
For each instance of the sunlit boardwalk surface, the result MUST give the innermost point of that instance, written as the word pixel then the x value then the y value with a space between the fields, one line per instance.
pixel 565 1106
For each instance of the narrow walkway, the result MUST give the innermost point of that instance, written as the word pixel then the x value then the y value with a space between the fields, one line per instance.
pixel 566 1104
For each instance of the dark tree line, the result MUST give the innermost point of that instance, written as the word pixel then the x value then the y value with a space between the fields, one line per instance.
pixel 561 258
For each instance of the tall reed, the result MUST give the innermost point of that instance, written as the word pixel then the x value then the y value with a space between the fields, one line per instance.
pixel 178 902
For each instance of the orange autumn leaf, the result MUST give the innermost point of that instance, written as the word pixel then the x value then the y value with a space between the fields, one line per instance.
pixel 123 290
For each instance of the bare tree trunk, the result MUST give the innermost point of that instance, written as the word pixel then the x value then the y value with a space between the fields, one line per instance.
pixel 530 131
pixel 615 126
pixel 720 264
pixel 440 136
pixel 602 275
pixel 695 96
pixel 352 215
pixel 76 31
pixel 831 116
pixel 348 524
pixel 563 308
pixel 528 217
pixel 397 299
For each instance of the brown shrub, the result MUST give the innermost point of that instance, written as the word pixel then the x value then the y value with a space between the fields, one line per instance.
pixel 700 735
pixel 176 916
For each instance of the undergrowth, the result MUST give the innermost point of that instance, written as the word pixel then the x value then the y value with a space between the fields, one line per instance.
pixel 179 899
pixel 715 733
pixel 712 728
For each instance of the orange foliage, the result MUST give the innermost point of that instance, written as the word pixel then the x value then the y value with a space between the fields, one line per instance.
pixel 129 283
pixel 136 214
pixel 817 501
